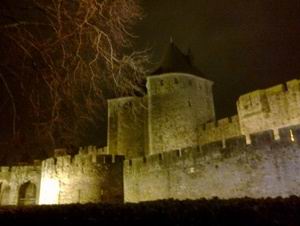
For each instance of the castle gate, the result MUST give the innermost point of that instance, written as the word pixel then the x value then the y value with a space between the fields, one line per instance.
pixel 27 194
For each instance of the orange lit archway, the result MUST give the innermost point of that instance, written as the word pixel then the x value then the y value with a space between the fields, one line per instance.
pixel 27 194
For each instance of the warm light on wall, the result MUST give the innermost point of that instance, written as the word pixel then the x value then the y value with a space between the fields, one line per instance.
pixel 292 136
pixel 49 191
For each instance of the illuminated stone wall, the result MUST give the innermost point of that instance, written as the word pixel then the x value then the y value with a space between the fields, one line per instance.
pixel 127 126
pixel 174 148
pixel 90 176
pixel 177 105
pixel 271 108
pixel 266 168
pixel 220 130
pixel 12 178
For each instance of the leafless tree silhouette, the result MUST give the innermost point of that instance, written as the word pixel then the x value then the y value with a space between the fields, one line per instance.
pixel 62 59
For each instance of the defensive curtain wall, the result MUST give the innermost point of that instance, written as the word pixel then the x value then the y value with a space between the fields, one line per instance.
pixel 20 185
pixel 230 169
pixel 254 153
pixel 250 165
pixel 90 176
pixel 270 108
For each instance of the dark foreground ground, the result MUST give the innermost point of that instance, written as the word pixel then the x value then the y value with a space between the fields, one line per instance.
pixel 240 212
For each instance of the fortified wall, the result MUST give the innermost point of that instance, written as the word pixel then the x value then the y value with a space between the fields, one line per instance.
pixel 15 180
pixel 270 108
pixel 89 176
pixel 191 155
pixel 168 144
pixel 264 168
pixel 219 130
pixel 178 111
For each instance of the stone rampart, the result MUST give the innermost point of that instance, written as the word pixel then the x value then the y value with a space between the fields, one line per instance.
pixel 219 130
pixel 265 168
pixel 13 177
pixel 92 150
pixel 271 108
pixel 90 176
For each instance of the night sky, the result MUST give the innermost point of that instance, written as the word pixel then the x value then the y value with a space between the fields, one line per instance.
pixel 240 45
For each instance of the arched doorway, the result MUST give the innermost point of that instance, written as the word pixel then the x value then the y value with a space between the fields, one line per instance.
pixel 27 194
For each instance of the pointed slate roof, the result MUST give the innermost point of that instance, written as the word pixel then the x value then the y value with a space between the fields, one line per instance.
pixel 176 61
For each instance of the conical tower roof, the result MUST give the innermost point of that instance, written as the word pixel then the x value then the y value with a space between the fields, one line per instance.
pixel 176 61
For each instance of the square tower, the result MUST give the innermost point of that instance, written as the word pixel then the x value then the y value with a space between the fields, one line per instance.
pixel 178 104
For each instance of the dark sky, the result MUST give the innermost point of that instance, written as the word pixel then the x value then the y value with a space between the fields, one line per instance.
pixel 241 45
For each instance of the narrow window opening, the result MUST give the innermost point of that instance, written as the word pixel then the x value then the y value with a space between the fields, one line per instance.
pixel 160 157
pixel 179 154
pixel 176 80
pixel 161 82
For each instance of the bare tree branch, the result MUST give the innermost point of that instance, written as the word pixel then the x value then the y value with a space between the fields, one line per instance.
pixel 73 60
pixel 12 100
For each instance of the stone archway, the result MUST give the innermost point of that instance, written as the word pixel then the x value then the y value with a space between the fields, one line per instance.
pixel 27 194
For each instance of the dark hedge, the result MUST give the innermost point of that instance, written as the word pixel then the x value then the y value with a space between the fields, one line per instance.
pixel 239 212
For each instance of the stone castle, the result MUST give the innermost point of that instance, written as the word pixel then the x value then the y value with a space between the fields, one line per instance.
pixel 168 144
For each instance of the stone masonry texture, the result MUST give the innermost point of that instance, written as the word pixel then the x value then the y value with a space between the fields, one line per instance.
pixel 168 144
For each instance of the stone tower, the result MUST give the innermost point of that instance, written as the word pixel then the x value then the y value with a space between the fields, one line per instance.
pixel 127 126
pixel 179 101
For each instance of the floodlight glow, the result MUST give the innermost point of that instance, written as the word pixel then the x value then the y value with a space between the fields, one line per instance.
pixel 49 193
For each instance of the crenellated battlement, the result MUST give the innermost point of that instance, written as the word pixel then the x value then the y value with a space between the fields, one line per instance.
pixel 175 82
pixel 89 176
pixel 87 157
pixel 219 130
pixel 5 169
pixel 288 88
pixel 217 149
pixel 92 150
pixel 221 123
pixel 280 89
pixel 293 85
pixel 25 168
pixel 270 109
pixel 125 103
pixel 22 167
